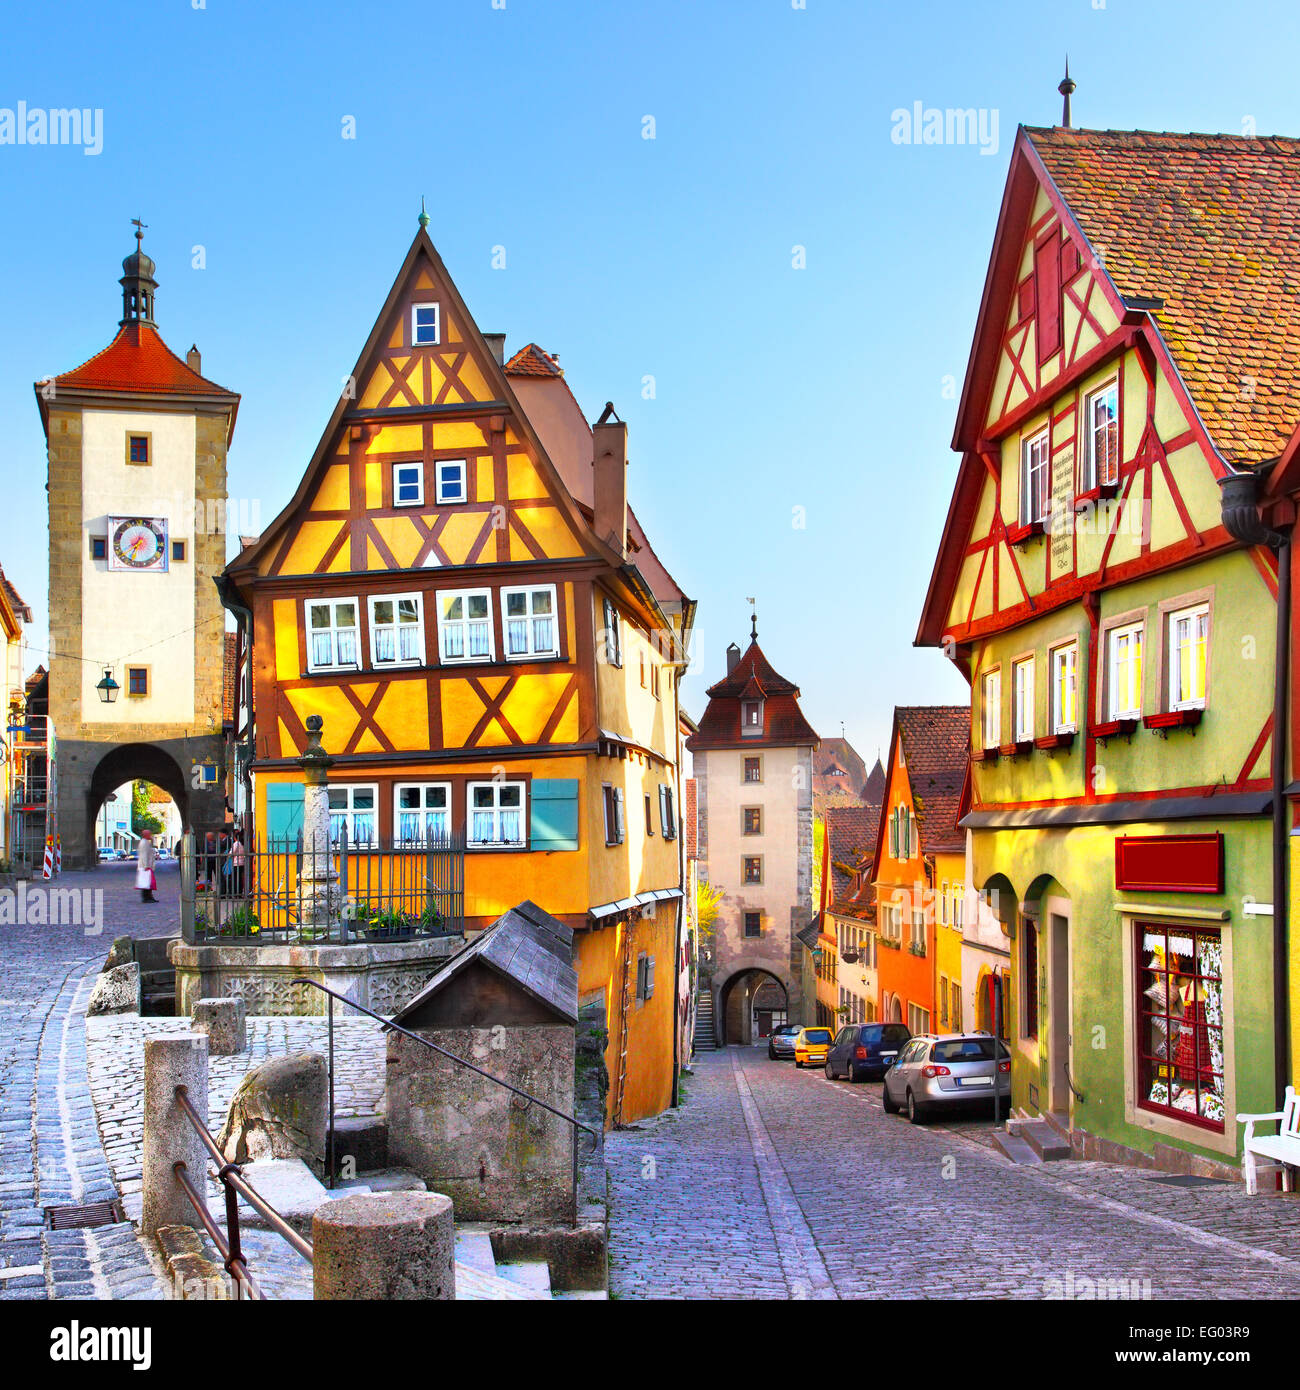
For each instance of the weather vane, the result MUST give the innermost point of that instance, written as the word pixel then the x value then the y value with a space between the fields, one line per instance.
pixel 139 229
pixel 753 620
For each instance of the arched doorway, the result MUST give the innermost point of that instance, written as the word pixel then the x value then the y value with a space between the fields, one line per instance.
pixel 895 1010
pixel 132 762
pixel 750 1000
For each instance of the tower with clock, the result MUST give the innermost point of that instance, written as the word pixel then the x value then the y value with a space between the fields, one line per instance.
pixel 137 440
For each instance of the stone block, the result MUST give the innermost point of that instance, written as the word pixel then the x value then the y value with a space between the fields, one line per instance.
pixel 286 1184
pixel 169 1136
pixel 362 1141
pixel 388 1246
pixel 223 1021
pixel 280 1111
pixel 120 952
pixel 116 991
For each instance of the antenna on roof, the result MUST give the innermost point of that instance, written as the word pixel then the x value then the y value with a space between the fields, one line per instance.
pixel 753 620
pixel 1066 89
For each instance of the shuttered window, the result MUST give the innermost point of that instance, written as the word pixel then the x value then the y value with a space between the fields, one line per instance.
pixel 554 822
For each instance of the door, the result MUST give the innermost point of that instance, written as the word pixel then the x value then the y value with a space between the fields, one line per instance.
pixel 1058 1018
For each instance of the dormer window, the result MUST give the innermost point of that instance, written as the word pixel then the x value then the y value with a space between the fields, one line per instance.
pixel 424 325
pixel 751 718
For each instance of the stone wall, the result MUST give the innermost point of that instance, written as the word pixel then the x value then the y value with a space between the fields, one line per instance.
pixel 496 1156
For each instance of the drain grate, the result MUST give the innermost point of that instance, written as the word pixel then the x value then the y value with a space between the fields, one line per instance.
pixel 80 1218
pixel 1190 1180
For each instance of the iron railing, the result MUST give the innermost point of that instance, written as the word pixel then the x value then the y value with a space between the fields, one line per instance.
pixel 231 1177
pixel 336 893
pixel 390 1027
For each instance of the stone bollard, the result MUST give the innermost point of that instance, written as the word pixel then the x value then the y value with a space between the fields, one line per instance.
pixel 387 1245
pixel 171 1061
pixel 223 1021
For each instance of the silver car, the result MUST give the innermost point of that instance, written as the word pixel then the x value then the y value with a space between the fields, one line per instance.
pixel 939 1072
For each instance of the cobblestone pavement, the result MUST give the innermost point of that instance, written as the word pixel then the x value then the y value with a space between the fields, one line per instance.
pixel 50 1151
pixel 775 1183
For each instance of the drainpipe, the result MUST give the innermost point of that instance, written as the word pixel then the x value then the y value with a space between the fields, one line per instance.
pixel 1241 518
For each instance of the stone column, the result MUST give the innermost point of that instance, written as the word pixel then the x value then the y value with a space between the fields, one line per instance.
pixel 320 897
pixel 386 1245
pixel 171 1061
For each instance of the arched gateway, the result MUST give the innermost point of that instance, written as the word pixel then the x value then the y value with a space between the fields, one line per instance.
pixel 137 442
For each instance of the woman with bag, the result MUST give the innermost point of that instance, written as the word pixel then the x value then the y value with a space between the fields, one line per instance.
pixel 144 862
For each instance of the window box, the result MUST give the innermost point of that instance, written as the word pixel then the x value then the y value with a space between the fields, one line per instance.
pixel 1051 741
pixel 1024 532
pixel 1114 727
pixel 1014 750
pixel 890 944
pixel 1104 493
pixel 915 948
pixel 985 755
pixel 1173 719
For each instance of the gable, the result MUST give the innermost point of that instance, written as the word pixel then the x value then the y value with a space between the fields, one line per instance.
pixel 476 486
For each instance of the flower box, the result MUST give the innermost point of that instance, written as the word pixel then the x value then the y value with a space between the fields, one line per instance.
pixel 1024 532
pixel 1051 741
pixel 1112 727
pixel 1173 719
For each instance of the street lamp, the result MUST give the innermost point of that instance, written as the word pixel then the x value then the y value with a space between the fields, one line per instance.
pixel 108 687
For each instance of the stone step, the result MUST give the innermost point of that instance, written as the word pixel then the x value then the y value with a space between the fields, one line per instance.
pixel 1013 1147
pixel 384 1180
pixel 474 1284
pixel 1059 1122
pixel 474 1248
pixel 529 1274
pixel 1045 1141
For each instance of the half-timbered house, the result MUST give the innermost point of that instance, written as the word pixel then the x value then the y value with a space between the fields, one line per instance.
pixel 459 589
pixel 1117 638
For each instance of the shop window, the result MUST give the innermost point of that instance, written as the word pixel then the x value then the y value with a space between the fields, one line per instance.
pixel 1180 1022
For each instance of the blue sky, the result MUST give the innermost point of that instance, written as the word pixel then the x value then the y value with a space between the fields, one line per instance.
pixel 775 388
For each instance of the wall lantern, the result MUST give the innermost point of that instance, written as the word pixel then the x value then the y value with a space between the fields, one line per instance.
pixel 108 687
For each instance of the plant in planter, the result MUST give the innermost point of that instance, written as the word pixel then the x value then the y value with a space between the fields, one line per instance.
pixel 431 921
pixel 389 925
pixel 243 921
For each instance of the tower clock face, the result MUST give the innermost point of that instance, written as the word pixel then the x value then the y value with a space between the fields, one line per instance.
pixel 137 543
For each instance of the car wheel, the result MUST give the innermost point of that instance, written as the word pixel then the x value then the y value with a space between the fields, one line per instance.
pixel 851 1076
pixel 771 1054
pixel 886 1104
pixel 830 1072
pixel 915 1112
pixel 798 1063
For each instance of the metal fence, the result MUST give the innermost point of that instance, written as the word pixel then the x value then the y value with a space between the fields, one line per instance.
pixel 286 892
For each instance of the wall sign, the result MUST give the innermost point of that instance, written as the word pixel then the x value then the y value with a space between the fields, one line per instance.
pixel 1169 863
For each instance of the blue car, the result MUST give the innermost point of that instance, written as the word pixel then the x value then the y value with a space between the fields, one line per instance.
pixel 866 1051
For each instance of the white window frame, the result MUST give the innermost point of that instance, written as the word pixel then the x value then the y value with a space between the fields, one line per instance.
pixel 532 653
pixel 1124 697
pixel 1091 480
pixel 1061 725
pixel 399 811
pixel 376 627
pixel 1022 699
pixel 991 708
pixel 1035 458
pixel 418 467
pixel 1172 618
pixel 751 728
pixel 440 495
pixel 470 809
pixel 333 604
pixel 445 624
pixel 350 812
pixel 416 340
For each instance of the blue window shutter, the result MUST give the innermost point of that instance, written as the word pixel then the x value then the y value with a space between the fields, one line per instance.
pixel 283 813
pixel 554 816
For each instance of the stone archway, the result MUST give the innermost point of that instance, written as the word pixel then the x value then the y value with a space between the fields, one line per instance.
pixel 131 762
pixel 736 998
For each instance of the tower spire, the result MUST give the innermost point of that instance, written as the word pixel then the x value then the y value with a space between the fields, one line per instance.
pixel 424 216
pixel 1066 88
pixel 138 284
pixel 753 620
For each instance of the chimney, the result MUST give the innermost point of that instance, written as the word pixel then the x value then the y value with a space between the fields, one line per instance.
pixel 733 656
pixel 609 483
pixel 193 361
pixel 497 343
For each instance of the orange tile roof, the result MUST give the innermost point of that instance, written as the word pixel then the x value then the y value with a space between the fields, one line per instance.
pixel 138 360
pixel 936 748
pixel 1210 224
pixel 530 360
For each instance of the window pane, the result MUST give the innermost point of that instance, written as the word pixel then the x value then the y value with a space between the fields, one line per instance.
pixel 509 796
pixel 408 797
pixel 452 607
pixel 338 799
pixel 483 796
pixel 320 614
pixel 408 610
pixel 516 605
pixel 345 615
pixel 363 799
pixel 384 611
pixel 541 600
pixel 478 605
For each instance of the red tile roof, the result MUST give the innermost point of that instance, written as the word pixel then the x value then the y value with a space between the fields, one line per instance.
pixel 532 361
pixel 783 722
pixel 138 360
pixel 852 831
pixel 936 750
pixel 1210 224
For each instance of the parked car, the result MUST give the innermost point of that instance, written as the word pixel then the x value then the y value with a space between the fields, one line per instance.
pixel 939 1073
pixel 106 852
pixel 780 1046
pixel 812 1045
pixel 866 1051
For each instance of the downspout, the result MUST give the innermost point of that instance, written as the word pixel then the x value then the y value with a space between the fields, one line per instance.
pixel 1241 518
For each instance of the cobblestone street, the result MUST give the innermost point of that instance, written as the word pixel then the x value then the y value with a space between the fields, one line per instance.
pixel 775 1183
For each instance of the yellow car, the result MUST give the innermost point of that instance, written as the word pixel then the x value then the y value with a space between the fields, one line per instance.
pixel 812 1047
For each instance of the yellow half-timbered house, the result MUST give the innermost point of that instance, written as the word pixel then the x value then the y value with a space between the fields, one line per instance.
pixel 460 591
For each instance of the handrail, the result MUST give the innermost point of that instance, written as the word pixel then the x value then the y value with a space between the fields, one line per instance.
pixel 231 1177
pixel 1069 1081
pixel 390 1026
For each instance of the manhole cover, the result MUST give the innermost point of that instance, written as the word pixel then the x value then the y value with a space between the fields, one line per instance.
pixel 1188 1180
pixel 79 1218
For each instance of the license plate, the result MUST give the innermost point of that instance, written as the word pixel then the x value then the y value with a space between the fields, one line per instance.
pixel 889 1054
pixel 974 1080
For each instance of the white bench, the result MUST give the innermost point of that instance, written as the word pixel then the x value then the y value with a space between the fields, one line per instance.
pixel 1281 1149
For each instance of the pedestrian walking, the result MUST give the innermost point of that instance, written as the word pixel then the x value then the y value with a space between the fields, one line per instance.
pixel 145 879
pixel 237 864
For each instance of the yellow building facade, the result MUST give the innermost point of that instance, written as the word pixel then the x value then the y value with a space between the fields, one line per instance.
pixel 460 591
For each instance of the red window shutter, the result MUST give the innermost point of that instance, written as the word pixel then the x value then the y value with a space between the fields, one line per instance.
pixel 1047 290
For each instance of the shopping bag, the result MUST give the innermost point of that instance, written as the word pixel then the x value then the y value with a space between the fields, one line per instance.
pixel 143 878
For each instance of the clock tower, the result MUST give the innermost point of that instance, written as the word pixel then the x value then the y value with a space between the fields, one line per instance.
pixel 137 441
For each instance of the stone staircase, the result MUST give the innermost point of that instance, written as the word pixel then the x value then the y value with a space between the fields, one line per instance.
pixel 1033 1139
pixel 705 1039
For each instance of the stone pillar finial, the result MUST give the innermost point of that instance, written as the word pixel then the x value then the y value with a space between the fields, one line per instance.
pixel 314 760
pixel 321 902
